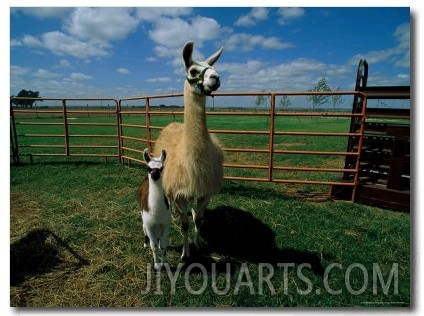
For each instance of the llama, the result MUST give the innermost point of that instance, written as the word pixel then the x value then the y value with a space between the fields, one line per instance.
pixel 193 171
pixel 155 211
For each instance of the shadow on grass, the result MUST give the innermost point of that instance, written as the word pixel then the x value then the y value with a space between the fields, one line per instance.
pixel 34 255
pixel 239 237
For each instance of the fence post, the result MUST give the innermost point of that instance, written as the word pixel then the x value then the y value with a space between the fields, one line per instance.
pixel 271 137
pixel 148 131
pixel 119 129
pixel 360 142
pixel 13 136
pixel 65 125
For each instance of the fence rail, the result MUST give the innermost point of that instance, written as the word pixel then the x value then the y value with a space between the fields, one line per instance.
pixel 125 138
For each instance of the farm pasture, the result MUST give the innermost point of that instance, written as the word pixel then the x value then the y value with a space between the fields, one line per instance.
pixel 274 245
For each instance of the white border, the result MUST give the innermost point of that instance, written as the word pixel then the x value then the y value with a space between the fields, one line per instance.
pixel 416 219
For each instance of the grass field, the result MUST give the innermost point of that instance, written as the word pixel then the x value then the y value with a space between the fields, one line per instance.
pixel 76 234
pixel 266 248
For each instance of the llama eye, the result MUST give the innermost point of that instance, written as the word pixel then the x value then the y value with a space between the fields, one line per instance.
pixel 193 72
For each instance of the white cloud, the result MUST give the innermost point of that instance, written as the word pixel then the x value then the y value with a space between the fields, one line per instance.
pixel 398 55
pixel 289 14
pixel 206 29
pixel 87 32
pixel 380 79
pixel 122 71
pixel 247 42
pixel 403 76
pixel 101 24
pixel 175 32
pixel 43 12
pixel 62 44
pixel 80 76
pixel 402 34
pixel 170 35
pixel 14 43
pixel 64 63
pixel 295 75
pixel 160 79
pixel 253 17
pixel 65 87
pixel 31 41
pixel 372 57
pixel 155 14
pixel 45 74
pixel 19 71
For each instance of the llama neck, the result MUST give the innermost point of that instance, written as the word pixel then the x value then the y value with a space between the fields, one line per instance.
pixel 195 129
pixel 155 191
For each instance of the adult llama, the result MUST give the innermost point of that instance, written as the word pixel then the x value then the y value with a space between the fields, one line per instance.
pixel 193 170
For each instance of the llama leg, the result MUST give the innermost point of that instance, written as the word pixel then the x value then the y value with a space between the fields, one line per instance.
pixel 181 207
pixel 164 245
pixel 154 245
pixel 198 219
pixel 146 238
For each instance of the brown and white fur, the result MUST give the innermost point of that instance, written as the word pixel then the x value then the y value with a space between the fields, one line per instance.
pixel 155 211
pixel 193 171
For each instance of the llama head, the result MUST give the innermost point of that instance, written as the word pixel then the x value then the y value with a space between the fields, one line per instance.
pixel 154 165
pixel 201 75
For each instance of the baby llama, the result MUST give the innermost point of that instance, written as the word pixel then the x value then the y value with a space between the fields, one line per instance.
pixel 193 170
pixel 155 211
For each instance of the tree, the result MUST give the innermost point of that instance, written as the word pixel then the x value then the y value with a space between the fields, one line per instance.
pixel 285 102
pixel 336 99
pixel 319 99
pixel 26 102
pixel 261 99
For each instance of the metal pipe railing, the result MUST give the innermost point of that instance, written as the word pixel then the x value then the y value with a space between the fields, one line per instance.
pixel 127 150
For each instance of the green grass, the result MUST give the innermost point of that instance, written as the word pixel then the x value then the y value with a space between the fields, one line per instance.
pixel 277 241
pixel 277 247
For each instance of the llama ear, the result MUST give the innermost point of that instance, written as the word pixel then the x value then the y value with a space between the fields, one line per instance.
pixel 146 155
pixel 163 155
pixel 213 58
pixel 187 52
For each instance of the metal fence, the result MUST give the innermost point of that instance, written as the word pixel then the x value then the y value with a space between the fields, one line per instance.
pixel 52 130
pixel 134 123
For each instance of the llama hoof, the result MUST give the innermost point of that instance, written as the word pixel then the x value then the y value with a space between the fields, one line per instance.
pixel 186 253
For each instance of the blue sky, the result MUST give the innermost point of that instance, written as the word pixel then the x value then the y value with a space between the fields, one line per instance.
pixel 122 52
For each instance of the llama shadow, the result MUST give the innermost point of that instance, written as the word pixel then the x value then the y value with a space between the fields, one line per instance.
pixel 239 237
pixel 33 255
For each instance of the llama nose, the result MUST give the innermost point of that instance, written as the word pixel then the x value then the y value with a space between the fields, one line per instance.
pixel 217 82
pixel 155 174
